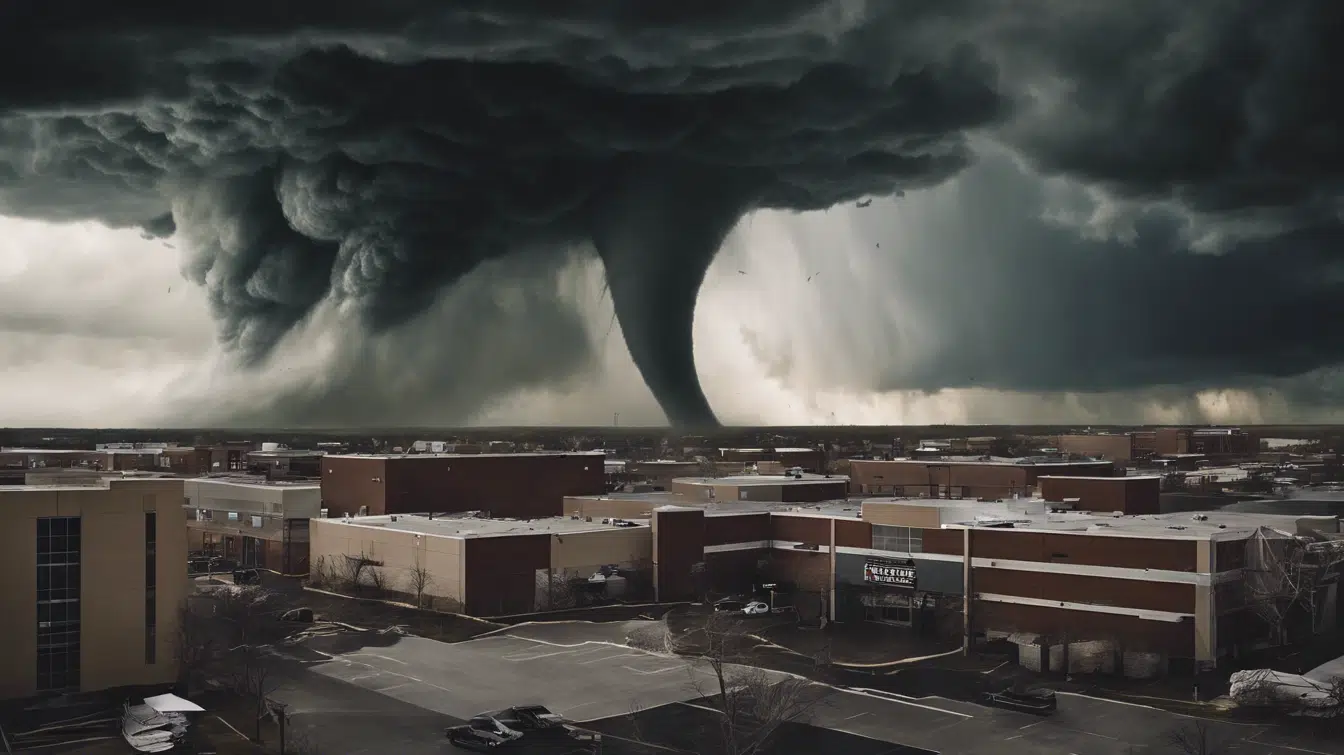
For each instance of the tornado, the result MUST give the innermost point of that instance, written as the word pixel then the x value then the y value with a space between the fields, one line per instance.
pixel 657 229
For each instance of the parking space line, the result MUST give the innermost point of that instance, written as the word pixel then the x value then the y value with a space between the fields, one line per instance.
pixel 515 657
pixel 611 658
pixel 375 655
pixel 880 695
pixel 656 671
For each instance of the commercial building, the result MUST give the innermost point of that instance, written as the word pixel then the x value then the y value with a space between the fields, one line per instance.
pixel 1210 441
pixel 809 459
pixel 1139 595
pixel 285 463
pixel 93 578
pixel 518 485
pixel 251 520
pixel 487 567
pixel 800 488
pixel 962 477
pixel 1134 494
pixel 1120 448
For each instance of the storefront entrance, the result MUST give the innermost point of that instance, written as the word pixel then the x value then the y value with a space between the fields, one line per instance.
pixel 888 607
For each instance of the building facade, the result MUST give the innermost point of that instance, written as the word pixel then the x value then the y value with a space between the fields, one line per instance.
pixel 1133 494
pixel 94 579
pixel 252 521
pixel 963 478
pixel 518 485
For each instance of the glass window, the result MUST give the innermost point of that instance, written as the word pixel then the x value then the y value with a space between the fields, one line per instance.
pixel 58 603
pixel 898 539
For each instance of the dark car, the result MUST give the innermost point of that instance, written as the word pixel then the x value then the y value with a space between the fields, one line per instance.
pixel 1038 701
pixel 246 576
pixel 729 605
pixel 522 725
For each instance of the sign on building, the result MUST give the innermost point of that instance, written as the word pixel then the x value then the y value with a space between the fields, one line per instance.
pixel 889 573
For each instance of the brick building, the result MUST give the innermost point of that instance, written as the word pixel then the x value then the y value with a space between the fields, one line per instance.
pixel 1117 447
pixel 1210 441
pixel 810 459
pixel 520 485
pixel 1129 495
pixel 789 489
pixel 991 478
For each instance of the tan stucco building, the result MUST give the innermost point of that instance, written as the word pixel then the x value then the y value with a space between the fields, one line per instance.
pixel 91 581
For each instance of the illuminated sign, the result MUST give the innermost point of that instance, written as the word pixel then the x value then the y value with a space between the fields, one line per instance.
pixel 889 573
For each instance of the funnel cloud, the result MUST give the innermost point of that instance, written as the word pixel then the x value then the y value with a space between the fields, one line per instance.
pixel 370 156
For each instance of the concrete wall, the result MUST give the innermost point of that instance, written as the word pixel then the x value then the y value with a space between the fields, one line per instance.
pixel 599 508
pixel 444 557
pixel 287 501
pixel 581 553
pixel 112 580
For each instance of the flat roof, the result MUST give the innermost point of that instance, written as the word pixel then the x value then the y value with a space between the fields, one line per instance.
pixel 1025 461
pixel 259 482
pixel 463 526
pixel 762 479
pixel 778 450
pixel 1122 478
pixel 1202 525
pixel 285 453
pixel 465 456
pixel 47 451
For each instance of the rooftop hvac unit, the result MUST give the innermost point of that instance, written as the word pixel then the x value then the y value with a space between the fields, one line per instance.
pixel 321 513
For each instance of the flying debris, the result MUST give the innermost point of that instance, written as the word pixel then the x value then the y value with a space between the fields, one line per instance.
pixel 863 204
pixel 741 272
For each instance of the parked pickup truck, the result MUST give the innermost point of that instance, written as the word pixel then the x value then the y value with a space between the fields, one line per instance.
pixel 1038 701
pixel 520 727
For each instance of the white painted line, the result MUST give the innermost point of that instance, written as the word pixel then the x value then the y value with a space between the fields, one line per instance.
pixel 235 731
pixel 612 658
pixel 516 658
pixel 375 655
pixel 1252 739
pixel 657 671
pixel 880 695
pixel 851 718
pixel 1028 726
pixel 395 686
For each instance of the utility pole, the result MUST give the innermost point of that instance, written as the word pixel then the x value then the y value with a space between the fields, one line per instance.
pixel 616 419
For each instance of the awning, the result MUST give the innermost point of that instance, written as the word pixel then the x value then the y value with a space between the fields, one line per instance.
pixel 171 703
pixel 1023 638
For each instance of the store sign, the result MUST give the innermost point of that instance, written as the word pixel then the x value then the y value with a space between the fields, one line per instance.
pixel 889 573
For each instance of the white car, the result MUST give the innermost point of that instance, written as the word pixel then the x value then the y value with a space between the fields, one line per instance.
pixel 755 608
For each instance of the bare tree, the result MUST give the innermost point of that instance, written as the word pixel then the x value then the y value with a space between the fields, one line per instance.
pixel 253 680
pixel 420 578
pixel 1194 738
pixel 196 645
pixel 353 571
pixel 246 608
pixel 752 703
pixel 377 580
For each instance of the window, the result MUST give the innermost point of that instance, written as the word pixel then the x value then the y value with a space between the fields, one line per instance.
pixel 58 604
pixel 151 587
pixel 899 539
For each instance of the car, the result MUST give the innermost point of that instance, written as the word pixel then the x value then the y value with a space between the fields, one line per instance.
pixel 520 725
pixel 731 605
pixel 756 608
pixel 1039 701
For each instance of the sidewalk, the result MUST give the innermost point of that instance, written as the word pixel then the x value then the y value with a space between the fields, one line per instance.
pixel 861 644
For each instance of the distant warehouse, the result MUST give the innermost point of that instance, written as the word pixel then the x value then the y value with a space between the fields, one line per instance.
pixel 522 485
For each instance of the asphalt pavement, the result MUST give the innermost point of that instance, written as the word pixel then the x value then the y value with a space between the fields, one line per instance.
pixel 398 694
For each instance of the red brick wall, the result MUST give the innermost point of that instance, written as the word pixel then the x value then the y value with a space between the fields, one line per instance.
pixel 1132 495
pixel 518 486
pixel 501 576
pixel 850 533
pixel 680 545
pixel 1123 552
pixel 814 491
pixel 1076 588
pixel 802 529
pixel 809 571
pixel 349 482
pixel 740 528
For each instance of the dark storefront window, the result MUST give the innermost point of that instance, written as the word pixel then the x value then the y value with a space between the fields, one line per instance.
pixel 58 605
pixel 151 587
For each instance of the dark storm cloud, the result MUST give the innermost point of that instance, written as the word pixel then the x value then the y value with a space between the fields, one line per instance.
pixel 376 153
pixel 382 154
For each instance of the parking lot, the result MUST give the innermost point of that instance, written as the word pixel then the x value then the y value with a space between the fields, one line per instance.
pixel 418 686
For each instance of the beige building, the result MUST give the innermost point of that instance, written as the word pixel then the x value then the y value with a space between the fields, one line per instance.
pixel 93 580
pixel 482 567
pixel 252 520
